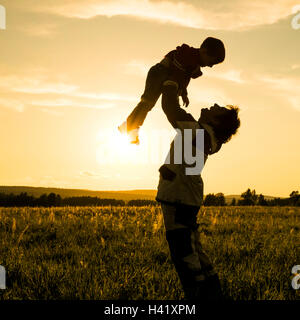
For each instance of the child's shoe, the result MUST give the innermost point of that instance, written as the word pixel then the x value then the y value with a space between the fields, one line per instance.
pixel 134 136
pixel 123 128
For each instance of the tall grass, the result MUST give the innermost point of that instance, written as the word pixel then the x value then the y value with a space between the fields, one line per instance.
pixel 121 252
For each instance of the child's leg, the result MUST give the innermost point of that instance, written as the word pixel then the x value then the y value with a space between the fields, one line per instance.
pixel 155 77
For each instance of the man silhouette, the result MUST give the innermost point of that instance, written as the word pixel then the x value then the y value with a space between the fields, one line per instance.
pixel 181 195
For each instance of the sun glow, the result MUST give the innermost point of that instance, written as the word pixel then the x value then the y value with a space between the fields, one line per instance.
pixel 122 142
pixel 115 147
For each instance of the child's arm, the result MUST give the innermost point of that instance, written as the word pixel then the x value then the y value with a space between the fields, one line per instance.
pixel 184 96
pixel 186 65
pixel 183 81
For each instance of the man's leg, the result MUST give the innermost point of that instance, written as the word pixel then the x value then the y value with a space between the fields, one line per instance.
pixel 212 283
pixel 198 279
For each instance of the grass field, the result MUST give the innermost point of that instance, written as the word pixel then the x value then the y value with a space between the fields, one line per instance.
pixel 121 252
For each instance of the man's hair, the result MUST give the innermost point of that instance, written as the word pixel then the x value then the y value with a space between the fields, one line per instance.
pixel 228 124
pixel 215 48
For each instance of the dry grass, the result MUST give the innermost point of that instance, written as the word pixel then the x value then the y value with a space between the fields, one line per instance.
pixel 121 252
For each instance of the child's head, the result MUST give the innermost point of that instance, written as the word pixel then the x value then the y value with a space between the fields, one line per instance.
pixel 212 51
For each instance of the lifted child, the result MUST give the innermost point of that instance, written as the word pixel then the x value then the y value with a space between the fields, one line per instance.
pixel 187 61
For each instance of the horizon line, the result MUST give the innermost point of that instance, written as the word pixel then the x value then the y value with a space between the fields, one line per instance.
pixel 127 190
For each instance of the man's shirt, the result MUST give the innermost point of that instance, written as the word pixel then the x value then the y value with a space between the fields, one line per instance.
pixel 175 186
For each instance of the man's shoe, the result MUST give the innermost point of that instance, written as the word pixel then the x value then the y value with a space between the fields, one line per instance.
pixel 214 291
pixel 206 290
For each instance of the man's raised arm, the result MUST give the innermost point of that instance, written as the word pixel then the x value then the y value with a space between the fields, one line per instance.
pixel 171 106
pixel 177 116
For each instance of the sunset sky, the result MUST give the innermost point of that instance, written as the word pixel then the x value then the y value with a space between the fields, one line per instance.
pixel 72 71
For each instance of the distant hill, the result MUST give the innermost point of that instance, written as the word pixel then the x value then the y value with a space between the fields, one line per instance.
pixel 125 195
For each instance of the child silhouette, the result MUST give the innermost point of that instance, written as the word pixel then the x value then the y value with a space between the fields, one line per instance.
pixel 186 62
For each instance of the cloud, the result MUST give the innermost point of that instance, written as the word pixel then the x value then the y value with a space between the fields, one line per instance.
pixel 50 181
pixel 87 173
pixel 39 30
pixel 40 85
pixel 295 66
pixel 294 101
pixel 138 68
pixel 52 112
pixel 70 95
pixel 286 88
pixel 284 84
pixel 37 88
pixel 70 103
pixel 12 104
pixel 211 15
pixel 90 174
pixel 233 75
pixel 34 85
pixel 209 95
pixel 93 175
pixel 109 96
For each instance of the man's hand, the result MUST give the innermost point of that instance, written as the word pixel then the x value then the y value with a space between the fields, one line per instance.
pixel 185 100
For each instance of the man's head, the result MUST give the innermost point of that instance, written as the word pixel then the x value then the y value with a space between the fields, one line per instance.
pixel 224 120
pixel 212 51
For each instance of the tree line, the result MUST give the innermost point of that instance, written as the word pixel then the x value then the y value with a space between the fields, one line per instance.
pixel 248 198
pixel 54 200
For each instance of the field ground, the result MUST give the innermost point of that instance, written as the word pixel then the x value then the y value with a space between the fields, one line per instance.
pixel 121 252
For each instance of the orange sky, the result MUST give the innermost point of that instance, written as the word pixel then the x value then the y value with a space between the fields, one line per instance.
pixel 71 72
